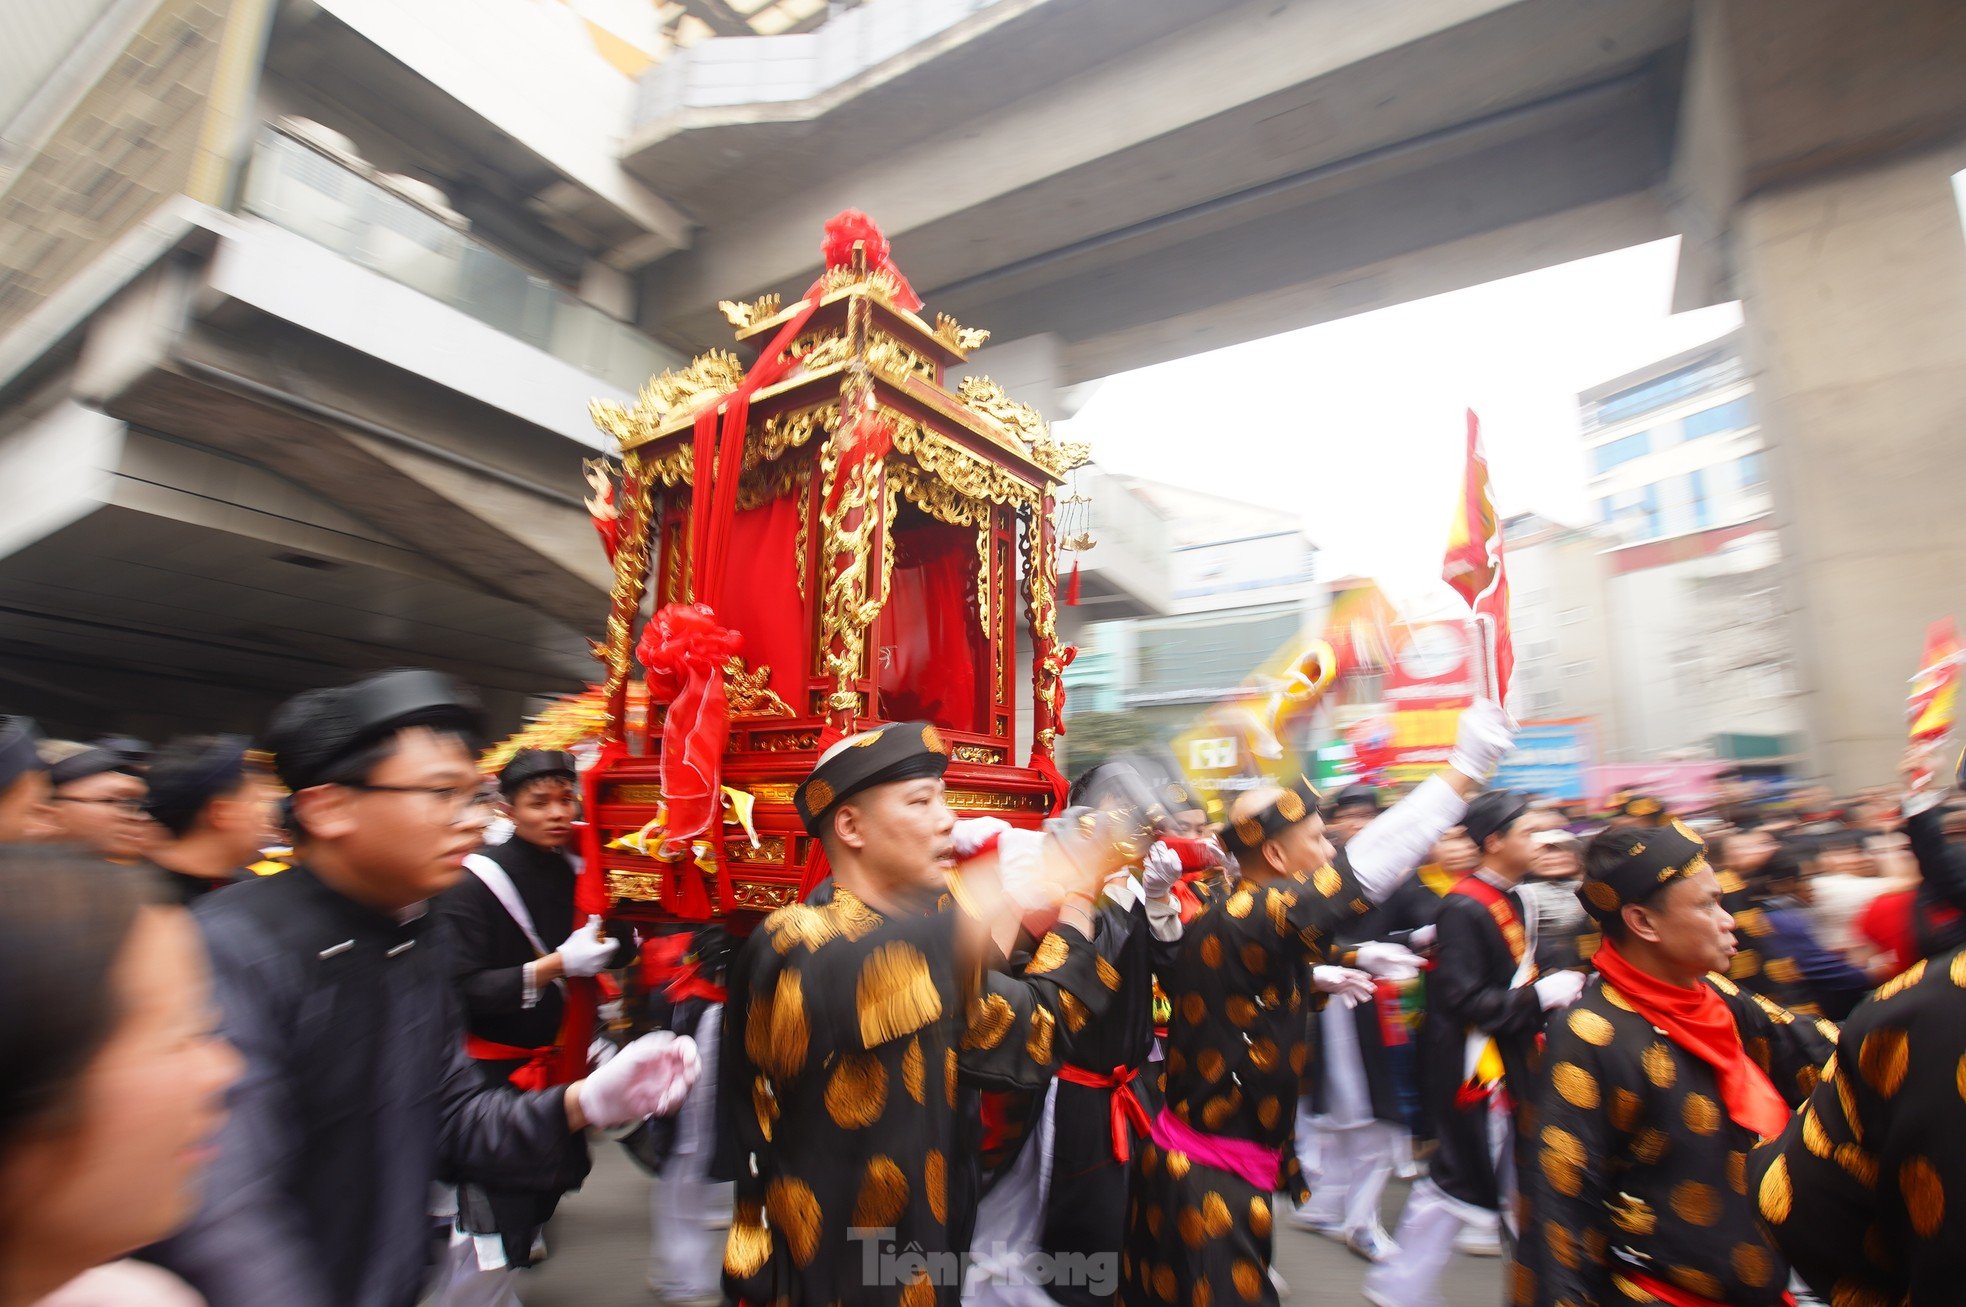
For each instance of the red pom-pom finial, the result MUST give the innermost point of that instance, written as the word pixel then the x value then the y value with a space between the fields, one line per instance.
pixel 847 228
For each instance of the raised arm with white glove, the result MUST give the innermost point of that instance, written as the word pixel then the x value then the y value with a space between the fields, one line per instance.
pixel 1158 874
pixel 972 833
pixel 1386 852
pixel 1482 738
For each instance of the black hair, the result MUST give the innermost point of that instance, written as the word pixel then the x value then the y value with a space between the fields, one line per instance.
pixel 512 795
pixel 68 915
pixel 181 775
pixel 1782 868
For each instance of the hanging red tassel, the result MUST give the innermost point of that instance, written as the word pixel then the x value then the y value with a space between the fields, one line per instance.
pixel 1072 586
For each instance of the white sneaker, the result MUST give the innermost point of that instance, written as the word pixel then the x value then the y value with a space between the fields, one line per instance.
pixel 539 1253
pixel 1478 1241
pixel 1279 1284
pixel 1373 1244
pixel 1300 1216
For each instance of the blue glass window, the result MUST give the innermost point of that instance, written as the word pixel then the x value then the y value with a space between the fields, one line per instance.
pixel 1660 391
pixel 1731 416
pixel 1753 472
pixel 1622 450
pixel 1696 495
pixel 1655 522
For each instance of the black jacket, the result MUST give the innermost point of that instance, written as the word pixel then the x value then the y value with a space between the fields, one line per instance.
pixel 1468 991
pixel 356 1096
pixel 488 951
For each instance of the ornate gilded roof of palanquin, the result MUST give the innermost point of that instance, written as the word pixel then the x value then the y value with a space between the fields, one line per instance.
pixel 975 437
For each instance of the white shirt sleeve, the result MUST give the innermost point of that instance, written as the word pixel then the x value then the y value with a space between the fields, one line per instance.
pixel 1386 852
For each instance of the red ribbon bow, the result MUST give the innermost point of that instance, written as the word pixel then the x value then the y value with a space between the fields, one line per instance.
pixel 1128 1115
pixel 685 649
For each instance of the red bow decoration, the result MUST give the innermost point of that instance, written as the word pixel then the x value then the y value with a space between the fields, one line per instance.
pixel 849 227
pixel 690 983
pixel 685 649
pixel 1127 1113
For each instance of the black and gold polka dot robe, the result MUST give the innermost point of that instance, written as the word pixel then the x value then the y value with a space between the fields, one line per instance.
pixel 1629 1160
pixel 1866 1189
pixel 1239 990
pixel 852 1043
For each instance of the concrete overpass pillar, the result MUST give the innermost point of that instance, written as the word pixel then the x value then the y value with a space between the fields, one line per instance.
pixel 1853 284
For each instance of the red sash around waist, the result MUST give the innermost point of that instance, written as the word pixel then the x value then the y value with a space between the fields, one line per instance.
pixel 537 1073
pixel 1674 1296
pixel 1128 1115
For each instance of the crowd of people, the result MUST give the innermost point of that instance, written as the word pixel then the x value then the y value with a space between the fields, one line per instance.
pixel 291 1026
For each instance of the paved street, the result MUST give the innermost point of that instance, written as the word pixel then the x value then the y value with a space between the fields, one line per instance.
pixel 600 1246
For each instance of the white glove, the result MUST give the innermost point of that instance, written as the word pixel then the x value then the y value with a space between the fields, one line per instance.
pixel 1422 939
pixel 1559 989
pixel 1483 737
pixel 973 833
pixel 647 1078
pixel 124 1284
pixel 1388 961
pixel 1159 872
pixel 1021 868
pixel 1349 986
pixel 585 953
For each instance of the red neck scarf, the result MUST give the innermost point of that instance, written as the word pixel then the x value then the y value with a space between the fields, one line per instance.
pixel 1698 1021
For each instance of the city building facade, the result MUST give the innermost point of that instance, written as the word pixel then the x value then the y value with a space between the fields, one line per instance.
pixel 1242 592
pixel 1694 623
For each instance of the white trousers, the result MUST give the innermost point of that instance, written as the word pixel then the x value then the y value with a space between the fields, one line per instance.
pixel 689 1214
pixel 1346 1153
pixel 465 1281
pixel 1354 1164
pixel 1431 1221
pixel 1010 1220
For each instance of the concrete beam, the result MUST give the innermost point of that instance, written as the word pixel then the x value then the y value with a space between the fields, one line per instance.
pixel 1265 92
pixel 1342 244
pixel 1824 84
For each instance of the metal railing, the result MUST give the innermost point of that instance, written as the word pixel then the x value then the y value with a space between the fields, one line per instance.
pixel 307 192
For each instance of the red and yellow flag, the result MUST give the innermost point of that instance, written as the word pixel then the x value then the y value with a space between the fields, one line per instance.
pixel 1474 564
pixel 1933 702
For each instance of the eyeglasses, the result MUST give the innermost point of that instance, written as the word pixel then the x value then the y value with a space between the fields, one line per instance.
pixel 132 806
pixel 460 801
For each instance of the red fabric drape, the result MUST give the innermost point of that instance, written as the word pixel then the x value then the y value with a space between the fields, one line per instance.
pixel 931 636
pixel 1698 1021
pixel 762 599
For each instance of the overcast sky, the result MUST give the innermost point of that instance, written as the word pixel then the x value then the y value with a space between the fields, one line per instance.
pixel 1367 443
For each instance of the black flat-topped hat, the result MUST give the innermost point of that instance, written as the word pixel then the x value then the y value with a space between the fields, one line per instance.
pixel 1298 802
pixel 1653 858
pixel 901 751
pixel 311 732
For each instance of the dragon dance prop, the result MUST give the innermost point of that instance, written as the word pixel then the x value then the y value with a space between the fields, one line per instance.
pixel 831 536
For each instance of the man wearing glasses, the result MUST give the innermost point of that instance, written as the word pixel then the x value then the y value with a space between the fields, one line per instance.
pixel 98 800
pixel 358 1092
